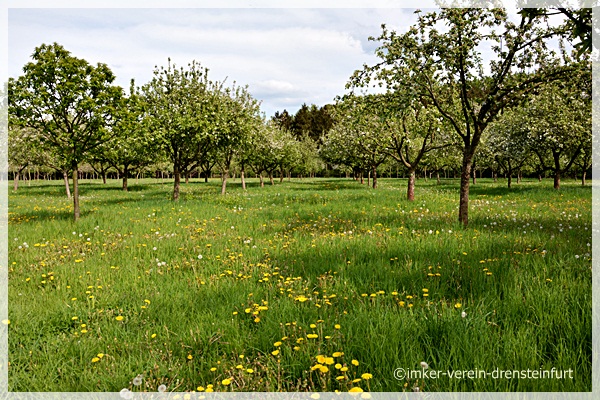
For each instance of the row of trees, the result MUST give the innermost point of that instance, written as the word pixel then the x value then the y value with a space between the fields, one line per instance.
pixel 430 102
pixel 65 112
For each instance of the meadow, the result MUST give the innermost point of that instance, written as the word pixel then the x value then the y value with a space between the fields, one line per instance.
pixel 308 285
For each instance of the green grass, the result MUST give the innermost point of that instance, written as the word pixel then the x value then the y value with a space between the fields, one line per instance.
pixel 276 260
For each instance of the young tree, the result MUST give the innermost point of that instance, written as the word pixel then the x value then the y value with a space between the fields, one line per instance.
pixel 508 142
pixel 70 103
pixel 441 58
pixel 182 108
pixel 22 151
pixel 133 147
pixel 364 127
pixel 560 123
pixel 239 116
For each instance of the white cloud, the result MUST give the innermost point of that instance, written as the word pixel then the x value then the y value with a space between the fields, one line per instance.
pixel 286 56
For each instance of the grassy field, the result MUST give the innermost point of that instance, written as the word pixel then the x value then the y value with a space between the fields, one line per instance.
pixel 316 285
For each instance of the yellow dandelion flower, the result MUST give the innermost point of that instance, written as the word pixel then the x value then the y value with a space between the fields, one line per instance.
pixel 355 389
pixel 277 344
pixel 329 360
pixel 457 305
pixel 275 353
pixel 324 369
pixel 313 326
pixel 355 363
pixel 119 318
pixel 95 359
pixel 312 336
pixel 338 354
pixel 200 388
pixel 189 357
pixel 296 348
pixel 226 382
pixel 321 359
pixel 337 326
pixel 338 366
pixel 366 377
pixel 344 369
pixel 340 378
pixel 213 369
pixel 250 370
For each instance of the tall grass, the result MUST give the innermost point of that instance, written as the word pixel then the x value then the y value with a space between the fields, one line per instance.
pixel 245 291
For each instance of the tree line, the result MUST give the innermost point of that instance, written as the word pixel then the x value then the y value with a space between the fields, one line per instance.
pixel 431 103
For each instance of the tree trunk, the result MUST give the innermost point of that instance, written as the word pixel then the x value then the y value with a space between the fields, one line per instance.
pixel 125 174
pixel 243 178
pixel 66 180
pixel 16 179
pixel 224 183
pixel 463 208
pixel 374 177
pixel 437 177
pixel 177 184
pixel 362 178
pixel 509 180
pixel 583 177
pixel 271 178
pixel 557 179
pixel 410 192
pixel 187 178
pixel 206 176
pixel 104 177
pixel 281 176
pixel 75 193
pixel 262 181
pixel 539 177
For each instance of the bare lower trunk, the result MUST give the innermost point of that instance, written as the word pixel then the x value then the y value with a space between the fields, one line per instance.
pixel 437 177
pixel 224 183
pixel 509 180
pixel 262 181
pixel 187 178
pixel 271 178
pixel 243 178
pixel 104 177
pixel 16 178
pixel 362 179
pixel 463 208
pixel 557 180
pixel 583 178
pixel 281 176
pixel 374 178
pixel 206 177
pixel 176 184
pixel 66 180
pixel 125 173
pixel 410 192
pixel 75 193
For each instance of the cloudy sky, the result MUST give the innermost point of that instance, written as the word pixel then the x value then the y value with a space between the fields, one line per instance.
pixel 286 56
